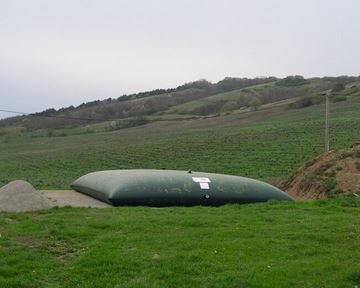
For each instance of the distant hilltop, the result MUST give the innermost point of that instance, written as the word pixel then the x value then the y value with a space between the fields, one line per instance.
pixel 198 98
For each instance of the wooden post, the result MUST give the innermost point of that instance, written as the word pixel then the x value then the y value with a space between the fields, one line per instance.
pixel 327 115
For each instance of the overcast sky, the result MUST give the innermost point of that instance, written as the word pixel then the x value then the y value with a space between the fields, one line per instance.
pixel 64 52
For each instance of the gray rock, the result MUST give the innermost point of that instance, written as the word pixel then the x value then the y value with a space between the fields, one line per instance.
pixel 21 196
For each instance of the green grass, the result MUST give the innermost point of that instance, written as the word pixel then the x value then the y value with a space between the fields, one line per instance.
pixel 313 244
pixel 263 150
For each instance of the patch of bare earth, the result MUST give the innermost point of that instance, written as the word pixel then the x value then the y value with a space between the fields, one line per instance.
pixel 60 249
pixel 63 198
pixel 331 174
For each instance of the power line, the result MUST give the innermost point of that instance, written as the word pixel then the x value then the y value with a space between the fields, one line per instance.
pixel 14 112
pixel 49 116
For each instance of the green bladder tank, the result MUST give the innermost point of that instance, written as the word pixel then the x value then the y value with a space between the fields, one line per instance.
pixel 161 188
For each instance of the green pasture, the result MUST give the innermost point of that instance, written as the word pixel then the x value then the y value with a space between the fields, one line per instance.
pixel 274 244
pixel 270 148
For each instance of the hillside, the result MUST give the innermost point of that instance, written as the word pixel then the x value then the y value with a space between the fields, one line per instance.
pixel 259 245
pixel 268 143
pixel 140 104
pixel 196 99
pixel 264 144
pixel 251 97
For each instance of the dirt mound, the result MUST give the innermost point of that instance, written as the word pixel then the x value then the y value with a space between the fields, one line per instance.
pixel 331 174
pixel 21 196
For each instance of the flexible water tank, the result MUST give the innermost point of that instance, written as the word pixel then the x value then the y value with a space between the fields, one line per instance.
pixel 161 188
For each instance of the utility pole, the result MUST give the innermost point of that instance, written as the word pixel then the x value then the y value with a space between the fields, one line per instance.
pixel 327 118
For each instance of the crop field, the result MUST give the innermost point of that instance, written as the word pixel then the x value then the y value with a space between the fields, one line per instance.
pixel 309 244
pixel 265 149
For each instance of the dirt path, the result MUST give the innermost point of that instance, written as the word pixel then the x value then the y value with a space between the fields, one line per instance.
pixel 62 198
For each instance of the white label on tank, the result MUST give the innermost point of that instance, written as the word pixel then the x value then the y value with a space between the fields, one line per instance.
pixel 204 185
pixel 201 179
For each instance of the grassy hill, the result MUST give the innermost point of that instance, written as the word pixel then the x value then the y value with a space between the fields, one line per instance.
pixel 135 105
pixel 242 98
pixel 262 144
pixel 309 244
pixel 195 98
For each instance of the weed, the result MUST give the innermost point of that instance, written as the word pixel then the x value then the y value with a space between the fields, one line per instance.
pixel 358 166
pixel 329 184
pixel 330 173
pixel 354 278
pixel 345 155
pixel 307 180
pixel 350 201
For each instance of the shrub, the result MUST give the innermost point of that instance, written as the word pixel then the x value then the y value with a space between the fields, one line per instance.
pixel 339 99
pixel 209 108
pixel 330 185
pixel 296 80
pixel 230 106
pixel 254 103
pixel 345 155
pixel 306 102
pixel 338 87
pixel 358 166
pixel 2 132
pixel 128 123
pixel 8 138
pixel 50 133
pixel 349 201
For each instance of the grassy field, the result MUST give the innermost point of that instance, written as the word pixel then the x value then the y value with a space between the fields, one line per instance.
pixel 312 244
pixel 274 244
pixel 263 149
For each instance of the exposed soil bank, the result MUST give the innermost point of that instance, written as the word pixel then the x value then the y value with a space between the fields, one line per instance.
pixel 331 174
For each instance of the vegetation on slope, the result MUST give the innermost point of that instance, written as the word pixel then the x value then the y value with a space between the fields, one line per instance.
pixel 139 104
pixel 244 98
pixel 330 174
pixel 199 98
pixel 264 149
pixel 345 92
